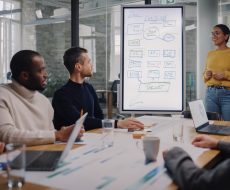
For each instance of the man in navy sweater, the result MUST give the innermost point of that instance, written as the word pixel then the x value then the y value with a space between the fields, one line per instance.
pixel 77 96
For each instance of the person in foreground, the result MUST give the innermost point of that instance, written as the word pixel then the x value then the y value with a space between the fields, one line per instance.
pixel 25 114
pixel 217 74
pixel 188 176
pixel 77 96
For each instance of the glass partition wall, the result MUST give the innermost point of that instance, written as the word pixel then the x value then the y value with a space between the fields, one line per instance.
pixel 45 26
pixel 100 24
pixel 10 34
pixel 47 29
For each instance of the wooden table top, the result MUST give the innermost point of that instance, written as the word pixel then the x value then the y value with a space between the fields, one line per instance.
pixel 202 161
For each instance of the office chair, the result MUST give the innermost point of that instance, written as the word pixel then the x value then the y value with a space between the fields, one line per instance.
pixel 210 115
pixel 114 91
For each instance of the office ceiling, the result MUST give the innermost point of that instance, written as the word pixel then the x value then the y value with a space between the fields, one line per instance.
pixel 90 12
pixel 91 8
pixel 97 3
pixel 55 3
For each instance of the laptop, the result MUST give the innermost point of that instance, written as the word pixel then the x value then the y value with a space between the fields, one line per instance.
pixel 201 122
pixel 49 160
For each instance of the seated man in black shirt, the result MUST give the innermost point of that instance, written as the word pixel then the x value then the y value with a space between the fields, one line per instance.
pixel 188 176
pixel 77 96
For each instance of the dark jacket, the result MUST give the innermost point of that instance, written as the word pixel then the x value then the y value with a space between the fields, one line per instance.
pixel 188 176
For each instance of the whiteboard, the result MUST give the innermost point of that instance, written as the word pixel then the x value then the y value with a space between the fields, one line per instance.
pixel 152 59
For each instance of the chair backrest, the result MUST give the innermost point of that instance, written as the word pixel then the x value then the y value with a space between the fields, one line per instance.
pixel 213 116
pixel 187 114
pixel 114 85
pixel 114 91
pixel 210 115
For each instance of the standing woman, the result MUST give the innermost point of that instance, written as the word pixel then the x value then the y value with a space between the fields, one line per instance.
pixel 217 74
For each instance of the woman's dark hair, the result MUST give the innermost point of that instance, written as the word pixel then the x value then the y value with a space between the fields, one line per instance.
pixel 22 61
pixel 72 56
pixel 224 29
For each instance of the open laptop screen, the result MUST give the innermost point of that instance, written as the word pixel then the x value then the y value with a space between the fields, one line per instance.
pixel 198 112
pixel 73 136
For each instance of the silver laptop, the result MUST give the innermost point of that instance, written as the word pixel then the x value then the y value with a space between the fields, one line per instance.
pixel 201 122
pixel 49 160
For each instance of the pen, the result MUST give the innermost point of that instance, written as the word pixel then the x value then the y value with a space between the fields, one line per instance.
pixel 81 113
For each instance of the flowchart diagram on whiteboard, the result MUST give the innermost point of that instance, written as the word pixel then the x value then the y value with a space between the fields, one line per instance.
pixel 152 59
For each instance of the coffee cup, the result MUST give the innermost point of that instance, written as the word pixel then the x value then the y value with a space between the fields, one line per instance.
pixel 151 147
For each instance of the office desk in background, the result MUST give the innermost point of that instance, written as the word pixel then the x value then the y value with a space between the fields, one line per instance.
pixel 203 160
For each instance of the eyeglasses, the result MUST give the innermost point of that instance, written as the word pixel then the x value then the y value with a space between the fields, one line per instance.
pixel 216 33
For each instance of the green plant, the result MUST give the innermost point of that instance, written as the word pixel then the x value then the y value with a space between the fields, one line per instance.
pixel 55 81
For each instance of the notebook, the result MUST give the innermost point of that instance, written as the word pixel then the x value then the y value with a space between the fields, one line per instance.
pixel 49 160
pixel 201 122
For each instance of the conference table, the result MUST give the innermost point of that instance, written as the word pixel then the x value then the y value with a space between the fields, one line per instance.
pixel 205 159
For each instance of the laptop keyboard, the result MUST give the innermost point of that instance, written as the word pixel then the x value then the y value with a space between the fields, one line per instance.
pixel 42 160
pixel 217 129
pixel 213 128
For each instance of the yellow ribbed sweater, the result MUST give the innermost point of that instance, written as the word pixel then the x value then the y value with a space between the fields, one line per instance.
pixel 218 60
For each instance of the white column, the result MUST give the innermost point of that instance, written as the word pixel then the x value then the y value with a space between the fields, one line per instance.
pixel 207 15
